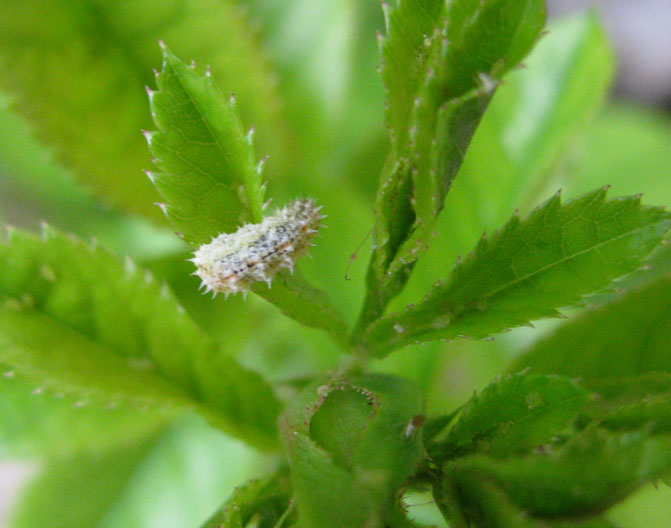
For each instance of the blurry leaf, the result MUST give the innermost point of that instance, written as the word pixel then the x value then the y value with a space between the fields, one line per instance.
pixel 77 489
pixel 600 522
pixel 443 71
pixel 652 412
pixel 543 108
pixel 530 268
pixel 175 479
pixel 34 187
pixel 79 76
pixel 649 507
pixel 488 506
pixel 532 120
pixel 37 422
pixel 209 178
pixel 265 501
pixel 594 470
pixel 627 337
pixel 436 425
pixel 351 440
pixel 75 320
pixel 642 137
pixel 513 415
pixel 627 394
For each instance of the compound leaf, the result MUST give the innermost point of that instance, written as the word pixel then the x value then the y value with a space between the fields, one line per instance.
pixel 523 139
pixel 441 66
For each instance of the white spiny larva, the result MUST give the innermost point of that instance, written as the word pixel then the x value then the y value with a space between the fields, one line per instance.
pixel 232 262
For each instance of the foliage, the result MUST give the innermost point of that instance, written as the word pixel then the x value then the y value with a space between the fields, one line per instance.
pixel 111 366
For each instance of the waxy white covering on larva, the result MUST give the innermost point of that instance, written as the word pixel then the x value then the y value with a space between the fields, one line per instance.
pixel 232 262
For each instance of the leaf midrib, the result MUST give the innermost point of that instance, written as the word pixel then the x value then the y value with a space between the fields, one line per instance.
pixel 543 269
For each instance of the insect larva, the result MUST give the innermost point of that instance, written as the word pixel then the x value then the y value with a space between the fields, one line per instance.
pixel 232 262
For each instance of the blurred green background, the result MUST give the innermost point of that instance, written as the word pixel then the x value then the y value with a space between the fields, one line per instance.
pixel 72 104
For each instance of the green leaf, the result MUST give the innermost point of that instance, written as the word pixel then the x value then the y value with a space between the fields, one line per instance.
pixel 409 23
pixel 625 393
pixel 75 490
pixel 653 413
pixel 642 136
pixel 34 421
pixel 208 175
pixel 267 501
pixel 625 338
pixel 177 478
pixel 544 107
pixel 488 506
pixel 513 415
pixel 302 302
pixel 39 188
pixel 523 138
pixel 530 268
pixel 444 66
pixel 485 506
pixel 75 320
pixel 478 44
pixel 211 182
pixel 79 74
pixel 594 470
pixel 351 439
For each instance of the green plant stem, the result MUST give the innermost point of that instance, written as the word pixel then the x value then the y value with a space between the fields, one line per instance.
pixel 373 307
pixel 444 489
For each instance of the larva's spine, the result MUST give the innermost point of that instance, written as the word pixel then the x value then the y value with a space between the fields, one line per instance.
pixel 232 262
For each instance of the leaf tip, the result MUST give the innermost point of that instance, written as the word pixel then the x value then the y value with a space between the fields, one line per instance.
pixel 488 83
pixel 261 164
pixel 148 135
pixel 150 175
pixel 162 207
pixel 150 93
